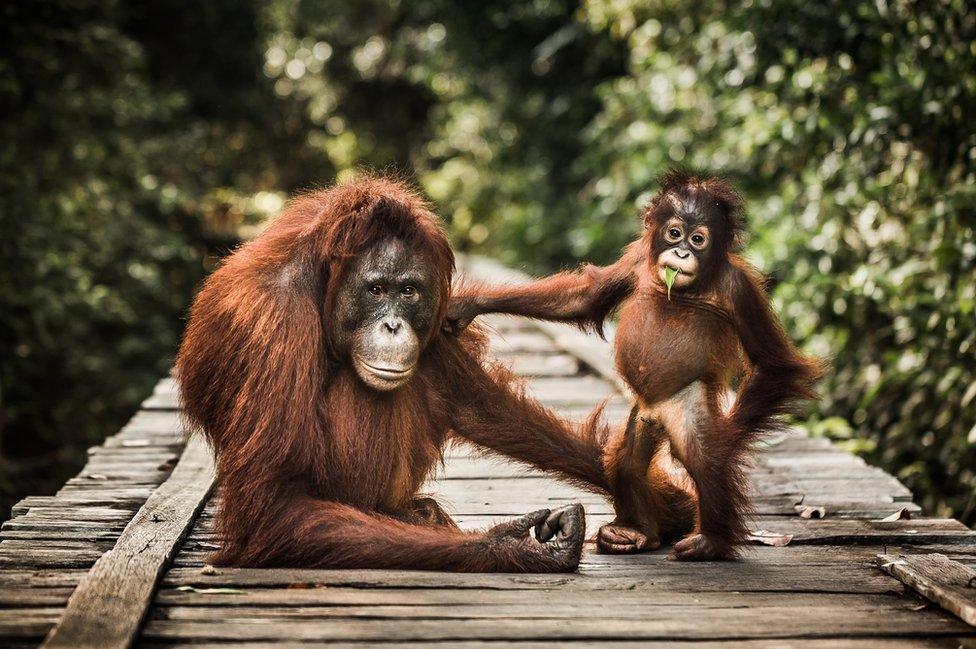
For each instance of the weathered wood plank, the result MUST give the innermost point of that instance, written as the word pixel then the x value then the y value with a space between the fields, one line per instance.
pixel 668 576
pixel 946 642
pixel 769 622
pixel 24 596
pixel 583 390
pixel 545 365
pixel 639 601
pixel 110 603
pixel 826 556
pixel 514 503
pixel 40 578
pixel 948 583
pixel 518 342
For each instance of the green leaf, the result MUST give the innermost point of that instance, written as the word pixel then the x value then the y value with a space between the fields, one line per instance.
pixel 669 275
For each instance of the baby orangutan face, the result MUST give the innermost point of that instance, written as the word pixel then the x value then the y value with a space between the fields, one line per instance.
pixel 690 237
pixel 684 242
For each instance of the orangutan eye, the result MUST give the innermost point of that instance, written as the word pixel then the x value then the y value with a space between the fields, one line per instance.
pixel 408 291
pixel 698 239
pixel 376 289
pixel 674 234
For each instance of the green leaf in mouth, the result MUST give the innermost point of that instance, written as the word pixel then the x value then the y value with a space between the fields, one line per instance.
pixel 669 275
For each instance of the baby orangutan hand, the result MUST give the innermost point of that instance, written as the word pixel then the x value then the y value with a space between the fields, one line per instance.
pixel 461 311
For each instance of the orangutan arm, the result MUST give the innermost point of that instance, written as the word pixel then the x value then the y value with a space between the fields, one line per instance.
pixel 585 297
pixel 487 407
pixel 302 531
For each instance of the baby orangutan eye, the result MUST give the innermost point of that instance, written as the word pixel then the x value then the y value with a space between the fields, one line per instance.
pixel 698 240
pixel 674 234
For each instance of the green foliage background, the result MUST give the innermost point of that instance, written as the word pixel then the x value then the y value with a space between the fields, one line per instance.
pixel 143 140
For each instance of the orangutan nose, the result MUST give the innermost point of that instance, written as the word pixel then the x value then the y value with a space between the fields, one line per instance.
pixel 393 326
pixel 682 254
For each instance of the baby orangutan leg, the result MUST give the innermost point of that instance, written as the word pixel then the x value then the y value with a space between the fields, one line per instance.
pixel 628 458
pixel 723 505
pixel 712 452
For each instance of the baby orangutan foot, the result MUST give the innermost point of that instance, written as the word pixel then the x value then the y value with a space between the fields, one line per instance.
pixel 699 547
pixel 616 538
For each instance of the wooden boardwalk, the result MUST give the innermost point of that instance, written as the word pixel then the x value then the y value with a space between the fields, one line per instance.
pixel 825 588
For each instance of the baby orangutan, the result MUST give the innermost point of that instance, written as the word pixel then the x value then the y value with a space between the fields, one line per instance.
pixel 692 312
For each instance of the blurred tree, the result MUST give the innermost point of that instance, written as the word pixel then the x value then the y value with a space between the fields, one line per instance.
pixel 144 138
pixel 486 102
pixel 849 125
pixel 125 164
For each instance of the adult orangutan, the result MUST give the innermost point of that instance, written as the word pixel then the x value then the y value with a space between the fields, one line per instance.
pixel 316 366
pixel 692 308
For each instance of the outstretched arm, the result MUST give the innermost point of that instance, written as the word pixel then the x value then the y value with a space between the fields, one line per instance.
pixel 780 377
pixel 483 403
pixel 490 413
pixel 584 297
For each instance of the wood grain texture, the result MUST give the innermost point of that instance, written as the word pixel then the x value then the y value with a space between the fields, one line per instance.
pixel 948 583
pixel 110 602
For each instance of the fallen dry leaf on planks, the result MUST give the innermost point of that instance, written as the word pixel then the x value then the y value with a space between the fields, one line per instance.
pixel 901 515
pixel 898 562
pixel 765 537
pixel 808 511
pixel 212 591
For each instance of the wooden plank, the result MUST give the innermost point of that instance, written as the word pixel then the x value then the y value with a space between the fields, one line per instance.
pixel 19 596
pixel 944 642
pixel 501 323
pixel 550 365
pixel 563 609
pixel 668 576
pixel 832 556
pixel 639 601
pixel 586 390
pixel 111 601
pixel 948 583
pixel 40 578
pixel 821 532
pixel 767 622
pixel 517 342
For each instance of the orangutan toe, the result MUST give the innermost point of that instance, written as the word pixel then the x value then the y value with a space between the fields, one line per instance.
pixel 699 547
pixel 614 538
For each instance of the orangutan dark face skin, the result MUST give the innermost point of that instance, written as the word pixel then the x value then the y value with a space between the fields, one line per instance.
pixel 686 239
pixel 384 310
